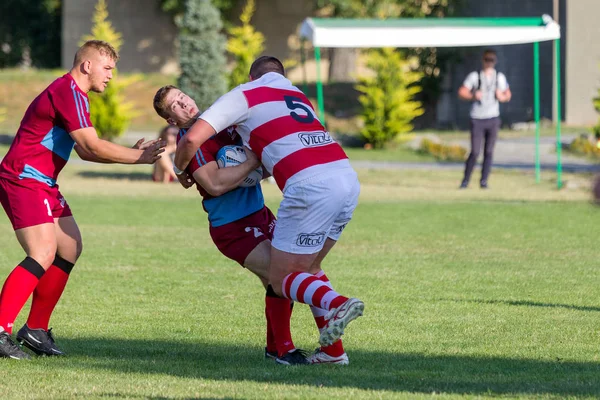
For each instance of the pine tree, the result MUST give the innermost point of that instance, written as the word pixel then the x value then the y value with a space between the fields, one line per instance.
pixel 202 53
pixel 111 114
pixel 388 97
pixel 245 44
pixel 102 28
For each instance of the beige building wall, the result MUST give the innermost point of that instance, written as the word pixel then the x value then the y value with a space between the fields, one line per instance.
pixel 582 75
pixel 148 33
pixel 279 21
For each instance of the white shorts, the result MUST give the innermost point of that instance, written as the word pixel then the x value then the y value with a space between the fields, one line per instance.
pixel 315 209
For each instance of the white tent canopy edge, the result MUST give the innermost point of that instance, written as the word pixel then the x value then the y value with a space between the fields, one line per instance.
pixel 441 32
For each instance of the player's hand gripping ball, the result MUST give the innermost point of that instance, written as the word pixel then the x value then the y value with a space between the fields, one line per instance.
pixel 230 156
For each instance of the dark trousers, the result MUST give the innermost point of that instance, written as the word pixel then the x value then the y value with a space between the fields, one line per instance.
pixel 480 129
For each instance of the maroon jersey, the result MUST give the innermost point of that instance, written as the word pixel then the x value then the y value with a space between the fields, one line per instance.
pixel 42 145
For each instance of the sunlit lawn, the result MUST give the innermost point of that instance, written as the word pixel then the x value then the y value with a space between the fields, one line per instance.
pixel 468 294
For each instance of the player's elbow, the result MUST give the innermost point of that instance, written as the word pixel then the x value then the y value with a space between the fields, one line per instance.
pixel 91 147
pixel 81 153
pixel 188 141
pixel 212 186
pixel 215 190
pixel 85 156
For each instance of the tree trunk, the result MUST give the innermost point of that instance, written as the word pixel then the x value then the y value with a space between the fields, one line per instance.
pixel 342 65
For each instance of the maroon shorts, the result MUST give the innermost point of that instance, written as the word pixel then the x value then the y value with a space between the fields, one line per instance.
pixel 31 205
pixel 237 239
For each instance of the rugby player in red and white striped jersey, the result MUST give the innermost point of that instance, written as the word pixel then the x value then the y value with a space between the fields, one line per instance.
pixel 320 188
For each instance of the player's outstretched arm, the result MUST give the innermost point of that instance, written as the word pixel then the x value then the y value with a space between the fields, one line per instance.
pixel 84 155
pixel 218 181
pixel 91 148
pixel 198 133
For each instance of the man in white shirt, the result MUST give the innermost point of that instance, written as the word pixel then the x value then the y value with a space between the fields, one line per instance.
pixel 486 89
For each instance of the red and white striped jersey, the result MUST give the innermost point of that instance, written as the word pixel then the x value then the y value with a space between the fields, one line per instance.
pixel 278 122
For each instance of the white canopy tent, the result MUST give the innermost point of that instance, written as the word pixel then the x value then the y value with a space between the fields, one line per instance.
pixel 441 32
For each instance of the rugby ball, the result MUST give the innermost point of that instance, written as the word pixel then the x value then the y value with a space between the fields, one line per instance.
pixel 230 156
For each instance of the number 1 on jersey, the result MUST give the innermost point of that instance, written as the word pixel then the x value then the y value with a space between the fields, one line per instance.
pixel 47 203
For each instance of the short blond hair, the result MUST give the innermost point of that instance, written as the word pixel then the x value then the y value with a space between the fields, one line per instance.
pixel 160 105
pixel 102 47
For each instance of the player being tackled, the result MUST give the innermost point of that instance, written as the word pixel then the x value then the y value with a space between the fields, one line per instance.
pixel 240 224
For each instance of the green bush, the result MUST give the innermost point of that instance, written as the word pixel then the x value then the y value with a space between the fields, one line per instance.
pixel 202 53
pixel 443 152
pixel 244 44
pixel 596 128
pixel 111 114
pixel 387 99
pixel 583 146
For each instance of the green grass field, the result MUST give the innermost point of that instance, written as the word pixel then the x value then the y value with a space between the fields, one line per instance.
pixel 469 294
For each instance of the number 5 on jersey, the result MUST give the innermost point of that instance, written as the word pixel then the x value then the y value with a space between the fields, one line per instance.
pixel 295 103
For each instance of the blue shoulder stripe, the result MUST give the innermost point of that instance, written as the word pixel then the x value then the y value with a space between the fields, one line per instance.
pixel 77 105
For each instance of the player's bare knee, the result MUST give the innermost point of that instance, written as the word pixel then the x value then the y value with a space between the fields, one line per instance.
pixel 78 249
pixel 277 288
pixel 315 267
pixel 276 280
pixel 44 255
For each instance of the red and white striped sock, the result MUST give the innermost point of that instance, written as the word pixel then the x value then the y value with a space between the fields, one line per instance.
pixel 308 289
pixel 336 349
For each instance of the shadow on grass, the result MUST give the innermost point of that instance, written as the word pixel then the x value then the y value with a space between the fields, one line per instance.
pixel 422 373
pixel 526 303
pixel 146 397
pixel 6 138
pixel 132 176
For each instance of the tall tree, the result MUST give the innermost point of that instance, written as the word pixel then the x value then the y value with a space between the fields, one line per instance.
pixel 177 7
pixel 111 112
pixel 244 44
pixel 202 52
pixel 388 98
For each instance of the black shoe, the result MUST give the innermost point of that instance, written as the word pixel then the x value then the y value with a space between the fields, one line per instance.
pixel 294 357
pixel 463 185
pixel 270 355
pixel 39 341
pixel 483 185
pixel 10 349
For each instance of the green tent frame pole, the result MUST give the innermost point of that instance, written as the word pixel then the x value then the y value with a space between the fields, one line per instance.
pixel 558 117
pixel 303 61
pixel 536 108
pixel 319 86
